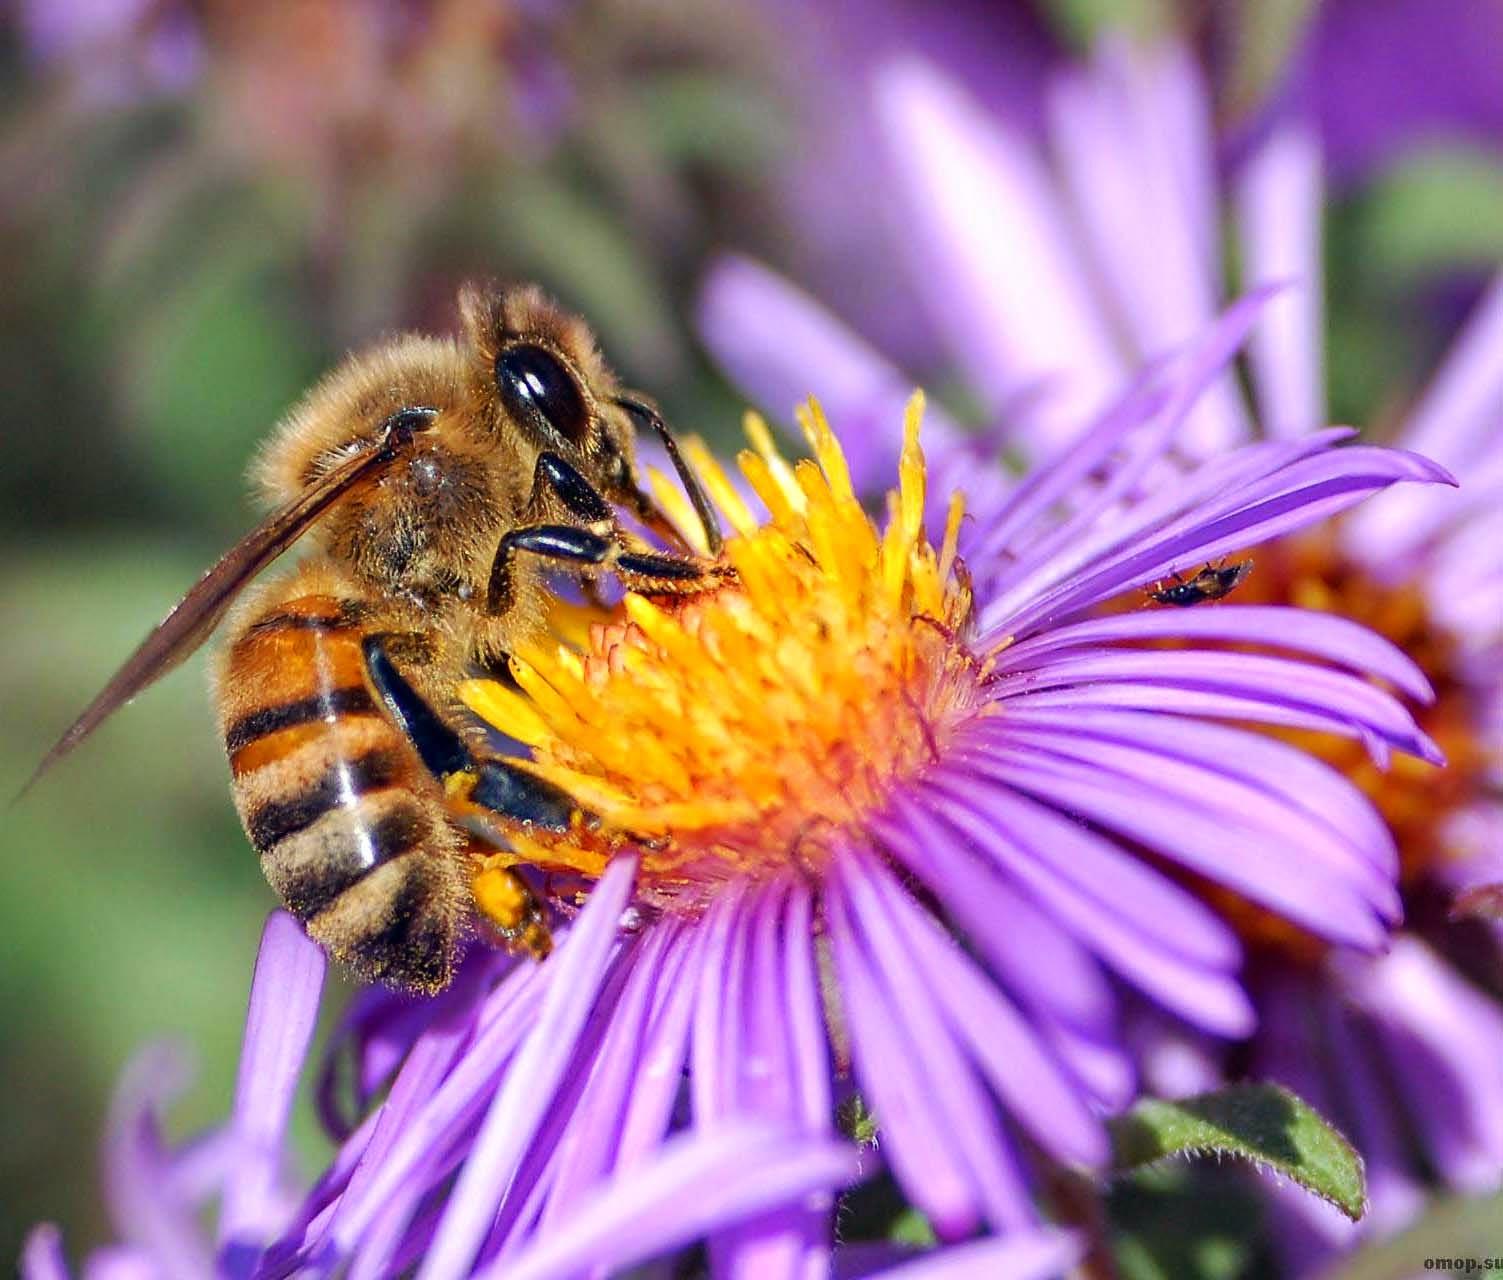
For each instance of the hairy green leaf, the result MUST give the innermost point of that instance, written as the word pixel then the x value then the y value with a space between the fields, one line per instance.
pixel 1263 1123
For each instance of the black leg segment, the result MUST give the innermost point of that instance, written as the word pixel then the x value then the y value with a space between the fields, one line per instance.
pixel 519 796
pixel 441 749
pixel 560 542
pixel 578 495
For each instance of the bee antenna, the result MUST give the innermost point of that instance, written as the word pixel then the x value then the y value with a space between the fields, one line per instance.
pixel 708 520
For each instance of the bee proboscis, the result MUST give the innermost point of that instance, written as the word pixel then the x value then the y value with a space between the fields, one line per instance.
pixel 439 481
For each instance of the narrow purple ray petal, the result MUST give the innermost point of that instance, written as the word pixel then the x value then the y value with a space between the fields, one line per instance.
pixel 1204 995
pixel 657 1086
pixel 1254 676
pixel 1133 141
pixel 137 1168
pixel 792 1240
pixel 1279 197
pixel 429 1062
pixel 1219 793
pixel 1290 776
pixel 717 1027
pixel 1437 1029
pixel 1023 1255
pixel 1324 635
pixel 1184 703
pixel 1001 1043
pixel 1097 522
pixel 42 1255
pixel 1044 965
pixel 1311 489
pixel 1372 1120
pixel 780 347
pixel 1236 856
pixel 507 1016
pixel 1003 281
pixel 918 1146
pixel 574 982
pixel 533 1181
pixel 283 1014
pixel 1089 870
pixel 952 1085
pixel 696 1185
pixel 1459 412
pixel 588 1148
pixel 808 1043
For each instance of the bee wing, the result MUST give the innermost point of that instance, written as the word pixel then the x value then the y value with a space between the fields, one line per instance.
pixel 196 615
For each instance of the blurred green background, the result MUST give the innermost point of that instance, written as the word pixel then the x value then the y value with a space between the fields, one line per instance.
pixel 203 207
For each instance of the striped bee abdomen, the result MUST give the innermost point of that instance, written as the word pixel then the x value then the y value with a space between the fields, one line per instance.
pixel 350 828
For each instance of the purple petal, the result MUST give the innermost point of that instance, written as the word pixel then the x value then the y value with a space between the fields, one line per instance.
pixel 1002 279
pixel 650 1106
pixel 1252 676
pixel 1279 200
pixel 42 1255
pixel 794 1240
pixel 1227 794
pixel 1323 634
pixel 1445 1042
pixel 284 999
pixel 1291 777
pixel 1140 949
pixel 1001 1043
pixel 587 1149
pixel 1236 855
pixel 506 1017
pixel 716 1043
pixel 1021 1255
pixel 573 982
pixel 1371 1121
pixel 697 1185
pixel 918 1145
pixel 145 1207
pixel 780 347
pixel 1132 136
pixel 956 1103
pixel 1455 422
pixel 1308 491
pixel 1044 964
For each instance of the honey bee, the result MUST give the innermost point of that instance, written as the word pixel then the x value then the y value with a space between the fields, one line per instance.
pixel 1211 583
pixel 439 481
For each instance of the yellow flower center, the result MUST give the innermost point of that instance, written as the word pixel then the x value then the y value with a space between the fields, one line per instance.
pixel 744 731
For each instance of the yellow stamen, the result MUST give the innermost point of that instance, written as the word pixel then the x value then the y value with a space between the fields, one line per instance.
pixel 745 731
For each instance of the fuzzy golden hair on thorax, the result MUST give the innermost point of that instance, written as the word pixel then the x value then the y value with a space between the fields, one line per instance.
pixel 350 405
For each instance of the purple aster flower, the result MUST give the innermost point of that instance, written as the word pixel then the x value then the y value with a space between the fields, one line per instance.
pixel 1124 182
pixel 896 822
pixel 157 1194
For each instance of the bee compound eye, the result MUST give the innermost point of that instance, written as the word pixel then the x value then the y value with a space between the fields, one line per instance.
pixel 534 384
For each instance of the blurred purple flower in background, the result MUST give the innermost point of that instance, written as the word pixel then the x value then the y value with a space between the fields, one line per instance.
pixel 1063 259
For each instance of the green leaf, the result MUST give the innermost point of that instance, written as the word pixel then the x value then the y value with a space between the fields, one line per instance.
pixel 1264 1123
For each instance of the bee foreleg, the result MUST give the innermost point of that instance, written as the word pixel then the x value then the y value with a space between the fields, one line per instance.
pixel 653 573
pixel 580 498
